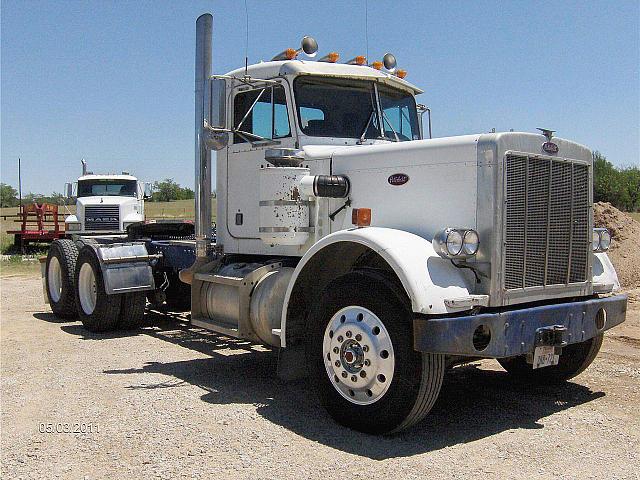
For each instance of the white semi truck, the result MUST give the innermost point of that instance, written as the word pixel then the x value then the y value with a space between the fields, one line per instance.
pixel 105 204
pixel 373 258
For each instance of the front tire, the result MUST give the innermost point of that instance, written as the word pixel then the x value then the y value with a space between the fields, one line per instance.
pixel 60 278
pixel 574 360
pixel 98 311
pixel 361 358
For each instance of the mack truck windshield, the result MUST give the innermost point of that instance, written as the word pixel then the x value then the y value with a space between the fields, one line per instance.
pixel 370 256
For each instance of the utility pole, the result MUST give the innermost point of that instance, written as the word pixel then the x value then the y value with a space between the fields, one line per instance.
pixel 19 187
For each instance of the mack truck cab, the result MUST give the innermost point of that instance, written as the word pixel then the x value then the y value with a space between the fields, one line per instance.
pixel 105 204
pixel 372 258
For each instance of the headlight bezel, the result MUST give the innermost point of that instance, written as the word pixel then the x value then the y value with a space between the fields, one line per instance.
pixel 604 240
pixel 469 243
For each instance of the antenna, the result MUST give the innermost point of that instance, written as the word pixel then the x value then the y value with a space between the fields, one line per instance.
pixel 19 186
pixel 366 26
pixel 246 43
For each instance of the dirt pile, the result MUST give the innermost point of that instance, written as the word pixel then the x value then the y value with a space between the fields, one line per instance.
pixel 625 247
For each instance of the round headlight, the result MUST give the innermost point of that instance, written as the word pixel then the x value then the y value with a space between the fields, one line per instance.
pixel 471 242
pixel 595 240
pixel 605 239
pixel 454 242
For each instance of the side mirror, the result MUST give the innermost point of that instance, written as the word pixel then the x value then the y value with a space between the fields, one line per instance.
pixel 148 190
pixel 217 137
pixel 68 190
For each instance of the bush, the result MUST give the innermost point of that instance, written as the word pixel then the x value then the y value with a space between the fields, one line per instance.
pixel 620 187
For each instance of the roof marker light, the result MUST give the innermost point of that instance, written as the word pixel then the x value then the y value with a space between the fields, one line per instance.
pixel 359 60
pixel 308 45
pixel 331 57
pixel 377 65
pixel 401 73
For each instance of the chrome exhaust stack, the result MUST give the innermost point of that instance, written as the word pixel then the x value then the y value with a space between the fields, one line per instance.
pixel 204 28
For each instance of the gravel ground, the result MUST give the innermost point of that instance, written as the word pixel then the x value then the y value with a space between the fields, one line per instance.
pixel 176 402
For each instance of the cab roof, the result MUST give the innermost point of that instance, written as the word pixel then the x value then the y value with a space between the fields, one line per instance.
pixel 92 176
pixel 273 69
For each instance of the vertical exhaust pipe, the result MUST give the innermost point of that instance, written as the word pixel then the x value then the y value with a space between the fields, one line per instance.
pixel 84 167
pixel 204 28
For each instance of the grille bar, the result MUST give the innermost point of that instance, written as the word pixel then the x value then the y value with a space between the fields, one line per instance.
pixel 546 221
pixel 102 217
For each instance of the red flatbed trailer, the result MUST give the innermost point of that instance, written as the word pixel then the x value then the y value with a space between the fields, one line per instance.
pixel 40 223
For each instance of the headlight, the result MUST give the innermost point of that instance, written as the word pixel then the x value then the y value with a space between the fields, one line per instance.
pixel 73 227
pixel 456 243
pixel 601 240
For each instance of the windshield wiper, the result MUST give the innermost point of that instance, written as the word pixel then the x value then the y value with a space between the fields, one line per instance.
pixel 366 127
pixel 384 117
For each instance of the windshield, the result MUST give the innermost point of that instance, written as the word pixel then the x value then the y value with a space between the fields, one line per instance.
pixel 115 188
pixel 348 108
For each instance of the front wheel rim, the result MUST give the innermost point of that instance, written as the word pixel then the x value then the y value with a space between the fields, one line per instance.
pixel 358 355
pixel 87 289
pixel 54 278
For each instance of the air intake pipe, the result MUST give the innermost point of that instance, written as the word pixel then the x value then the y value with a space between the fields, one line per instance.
pixel 328 186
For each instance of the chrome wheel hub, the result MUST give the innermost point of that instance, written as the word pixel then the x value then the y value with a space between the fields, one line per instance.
pixel 358 355
pixel 54 277
pixel 87 289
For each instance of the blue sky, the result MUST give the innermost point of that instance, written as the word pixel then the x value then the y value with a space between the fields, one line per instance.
pixel 112 81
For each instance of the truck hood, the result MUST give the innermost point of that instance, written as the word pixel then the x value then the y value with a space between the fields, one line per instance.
pixel 419 186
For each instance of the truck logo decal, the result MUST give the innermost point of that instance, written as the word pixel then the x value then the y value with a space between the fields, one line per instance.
pixel 398 179
pixel 101 219
pixel 550 147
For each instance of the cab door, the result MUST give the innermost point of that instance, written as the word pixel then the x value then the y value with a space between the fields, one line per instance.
pixel 261 120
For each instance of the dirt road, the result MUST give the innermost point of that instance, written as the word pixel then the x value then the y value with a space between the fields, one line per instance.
pixel 176 402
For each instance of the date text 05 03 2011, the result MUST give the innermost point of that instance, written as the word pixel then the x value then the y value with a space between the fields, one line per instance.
pixel 68 428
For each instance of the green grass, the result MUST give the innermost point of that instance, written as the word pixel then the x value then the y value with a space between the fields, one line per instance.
pixel 16 266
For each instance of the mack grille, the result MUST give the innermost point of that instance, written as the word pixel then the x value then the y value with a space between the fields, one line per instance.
pixel 102 217
pixel 547 221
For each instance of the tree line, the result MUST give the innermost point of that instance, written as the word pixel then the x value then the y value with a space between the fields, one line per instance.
pixel 166 190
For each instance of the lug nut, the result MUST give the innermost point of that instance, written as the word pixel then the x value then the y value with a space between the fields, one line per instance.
pixel 344 374
pixel 358 337
pixel 336 350
pixel 348 334
pixel 365 348
pixel 340 339
pixel 367 362
pixel 337 363
pixel 363 373
pixel 354 378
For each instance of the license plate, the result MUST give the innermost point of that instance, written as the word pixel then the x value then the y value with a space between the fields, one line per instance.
pixel 545 357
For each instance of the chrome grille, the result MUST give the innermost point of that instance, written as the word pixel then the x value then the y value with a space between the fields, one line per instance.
pixel 546 221
pixel 102 217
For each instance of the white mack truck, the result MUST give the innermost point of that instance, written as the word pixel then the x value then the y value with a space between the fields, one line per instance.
pixel 373 257
pixel 105 204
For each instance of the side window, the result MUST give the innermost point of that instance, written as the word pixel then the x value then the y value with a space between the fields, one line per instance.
pixel 260 115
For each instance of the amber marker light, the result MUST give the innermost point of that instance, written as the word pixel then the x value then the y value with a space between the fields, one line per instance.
pixel 377 65
pixel 359 60
pixel 361 217
pixel 401 73
pixel 331 57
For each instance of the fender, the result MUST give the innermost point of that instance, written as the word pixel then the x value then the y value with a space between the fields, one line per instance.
pixel 427 278
pixel 605 278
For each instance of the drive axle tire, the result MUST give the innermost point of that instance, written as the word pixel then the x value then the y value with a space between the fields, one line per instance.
pixel 132 310
pixel 98 311
pixel 574 360
pixel 60 278
pixel 361 360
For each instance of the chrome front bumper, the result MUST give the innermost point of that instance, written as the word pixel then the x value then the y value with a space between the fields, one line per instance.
pixel 517 331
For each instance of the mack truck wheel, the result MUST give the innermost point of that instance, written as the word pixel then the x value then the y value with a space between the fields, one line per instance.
pixel 574 360
pixel 361 358
pixel 132 310
pixel 98 311
pixel 60 278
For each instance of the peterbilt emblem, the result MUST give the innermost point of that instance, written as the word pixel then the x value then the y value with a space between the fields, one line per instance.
pixel 398 179
pixel 550 147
